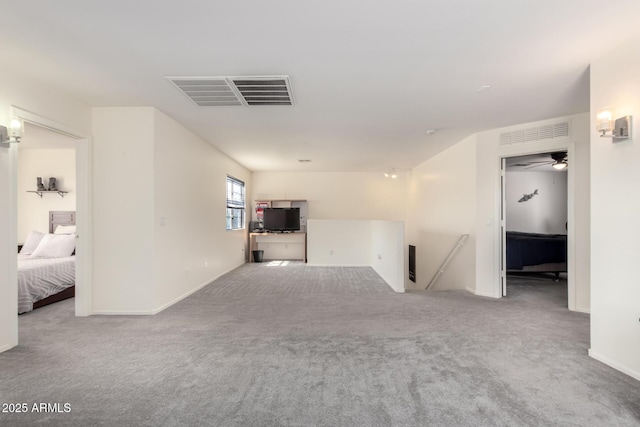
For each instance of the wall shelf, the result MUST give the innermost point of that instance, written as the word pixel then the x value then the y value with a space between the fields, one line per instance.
pixel 40 193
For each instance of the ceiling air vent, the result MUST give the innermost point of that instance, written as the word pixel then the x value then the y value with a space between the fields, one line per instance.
pixel 232 91
pixel 264 90
pixel 207 91
pixel 553 131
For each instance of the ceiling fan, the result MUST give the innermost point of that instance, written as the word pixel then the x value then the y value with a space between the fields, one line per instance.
pixel 558 161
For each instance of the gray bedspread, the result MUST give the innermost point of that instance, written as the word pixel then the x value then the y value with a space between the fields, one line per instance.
pixel 39 278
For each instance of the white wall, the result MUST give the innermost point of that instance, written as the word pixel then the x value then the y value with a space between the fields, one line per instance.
pixel 193 247
pixel 32 96
pixel 339 242
pixel 441 207
pixel 488 204
pixel 545 212
pixel 124 279
pixel 615 228
pixel 359 243
pixel 159 211
pixel 336 195
pixel 33 211
pixel 388 253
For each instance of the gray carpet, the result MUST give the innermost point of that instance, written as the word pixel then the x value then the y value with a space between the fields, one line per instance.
pixel 310 346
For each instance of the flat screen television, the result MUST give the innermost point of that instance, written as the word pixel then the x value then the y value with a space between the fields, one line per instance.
pixel 282 219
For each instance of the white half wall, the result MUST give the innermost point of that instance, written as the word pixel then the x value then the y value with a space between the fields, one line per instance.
pixel 339 242
pixel 544 213
pixel 359 243
pixel 615 228
pixel 33 211
pixel 442 207
pixel 387 252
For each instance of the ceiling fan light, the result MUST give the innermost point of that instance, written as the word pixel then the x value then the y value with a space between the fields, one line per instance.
pixel 559 165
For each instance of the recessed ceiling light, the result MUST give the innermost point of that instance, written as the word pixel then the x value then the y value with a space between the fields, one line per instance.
pixel 430 132
pixel 483 88
pixel 304 161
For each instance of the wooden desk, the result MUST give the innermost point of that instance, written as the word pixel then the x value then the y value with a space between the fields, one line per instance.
pixel 285 246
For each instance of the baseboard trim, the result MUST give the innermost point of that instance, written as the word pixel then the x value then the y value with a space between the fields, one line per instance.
pixel 399 289
pixel 338 265
pixel 122 312
pixel 615 365
pixel 582 310
pixel 192 291
pixel 164 306
pixel 480 294
pixel 7 347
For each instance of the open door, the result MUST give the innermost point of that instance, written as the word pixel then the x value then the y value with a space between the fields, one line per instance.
pixel 503 230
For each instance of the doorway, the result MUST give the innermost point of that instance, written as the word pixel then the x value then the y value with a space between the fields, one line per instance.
pixel 526 156
pixel 535 206
pixel 83 294
pixel 46 204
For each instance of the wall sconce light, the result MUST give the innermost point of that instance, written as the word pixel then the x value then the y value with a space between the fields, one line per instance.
pixel 391 174
pixel 13 134
pixel 619 130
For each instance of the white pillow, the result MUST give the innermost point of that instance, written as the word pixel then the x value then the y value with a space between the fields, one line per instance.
pixel 31 242
pixel 55 246
pixel 65 229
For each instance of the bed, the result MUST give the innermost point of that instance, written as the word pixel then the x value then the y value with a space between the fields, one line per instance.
pixel 43 281
pixel 539 253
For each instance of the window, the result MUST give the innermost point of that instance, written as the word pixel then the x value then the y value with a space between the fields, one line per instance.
pixel 235 204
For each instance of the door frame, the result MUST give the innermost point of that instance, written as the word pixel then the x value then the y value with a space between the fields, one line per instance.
pixel 83 291
pixel 507 152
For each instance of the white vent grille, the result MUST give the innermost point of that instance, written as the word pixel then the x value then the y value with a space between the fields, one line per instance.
pixel 561 130
pixel 553 131
pixel 264 91
pixel 233 91
pixel 207 91
pixel 546 132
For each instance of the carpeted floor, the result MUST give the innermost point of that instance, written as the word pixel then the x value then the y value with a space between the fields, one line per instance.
pixel 292 345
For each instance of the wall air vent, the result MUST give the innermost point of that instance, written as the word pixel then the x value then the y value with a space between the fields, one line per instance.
pixel 233 91
pixel 555 131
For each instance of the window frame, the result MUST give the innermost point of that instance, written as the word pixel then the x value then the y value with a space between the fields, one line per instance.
pixel 235 205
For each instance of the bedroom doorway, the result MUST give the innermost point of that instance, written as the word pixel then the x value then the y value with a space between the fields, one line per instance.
pixel 534 225
pixel 46 204
pixel 82 148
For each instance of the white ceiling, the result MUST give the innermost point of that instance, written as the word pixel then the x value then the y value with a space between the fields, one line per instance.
pixel 368 77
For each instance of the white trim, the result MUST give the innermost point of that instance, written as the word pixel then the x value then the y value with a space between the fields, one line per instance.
pixel 332 265
pixel 167 305
pixel 46 123
pixel 122 313
pixel 6 347
pixel 614 365
pixel 480 294
pixel 13 268
pixel 84 256
pixel 84 286
pixel 582 310
pixel 194 290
